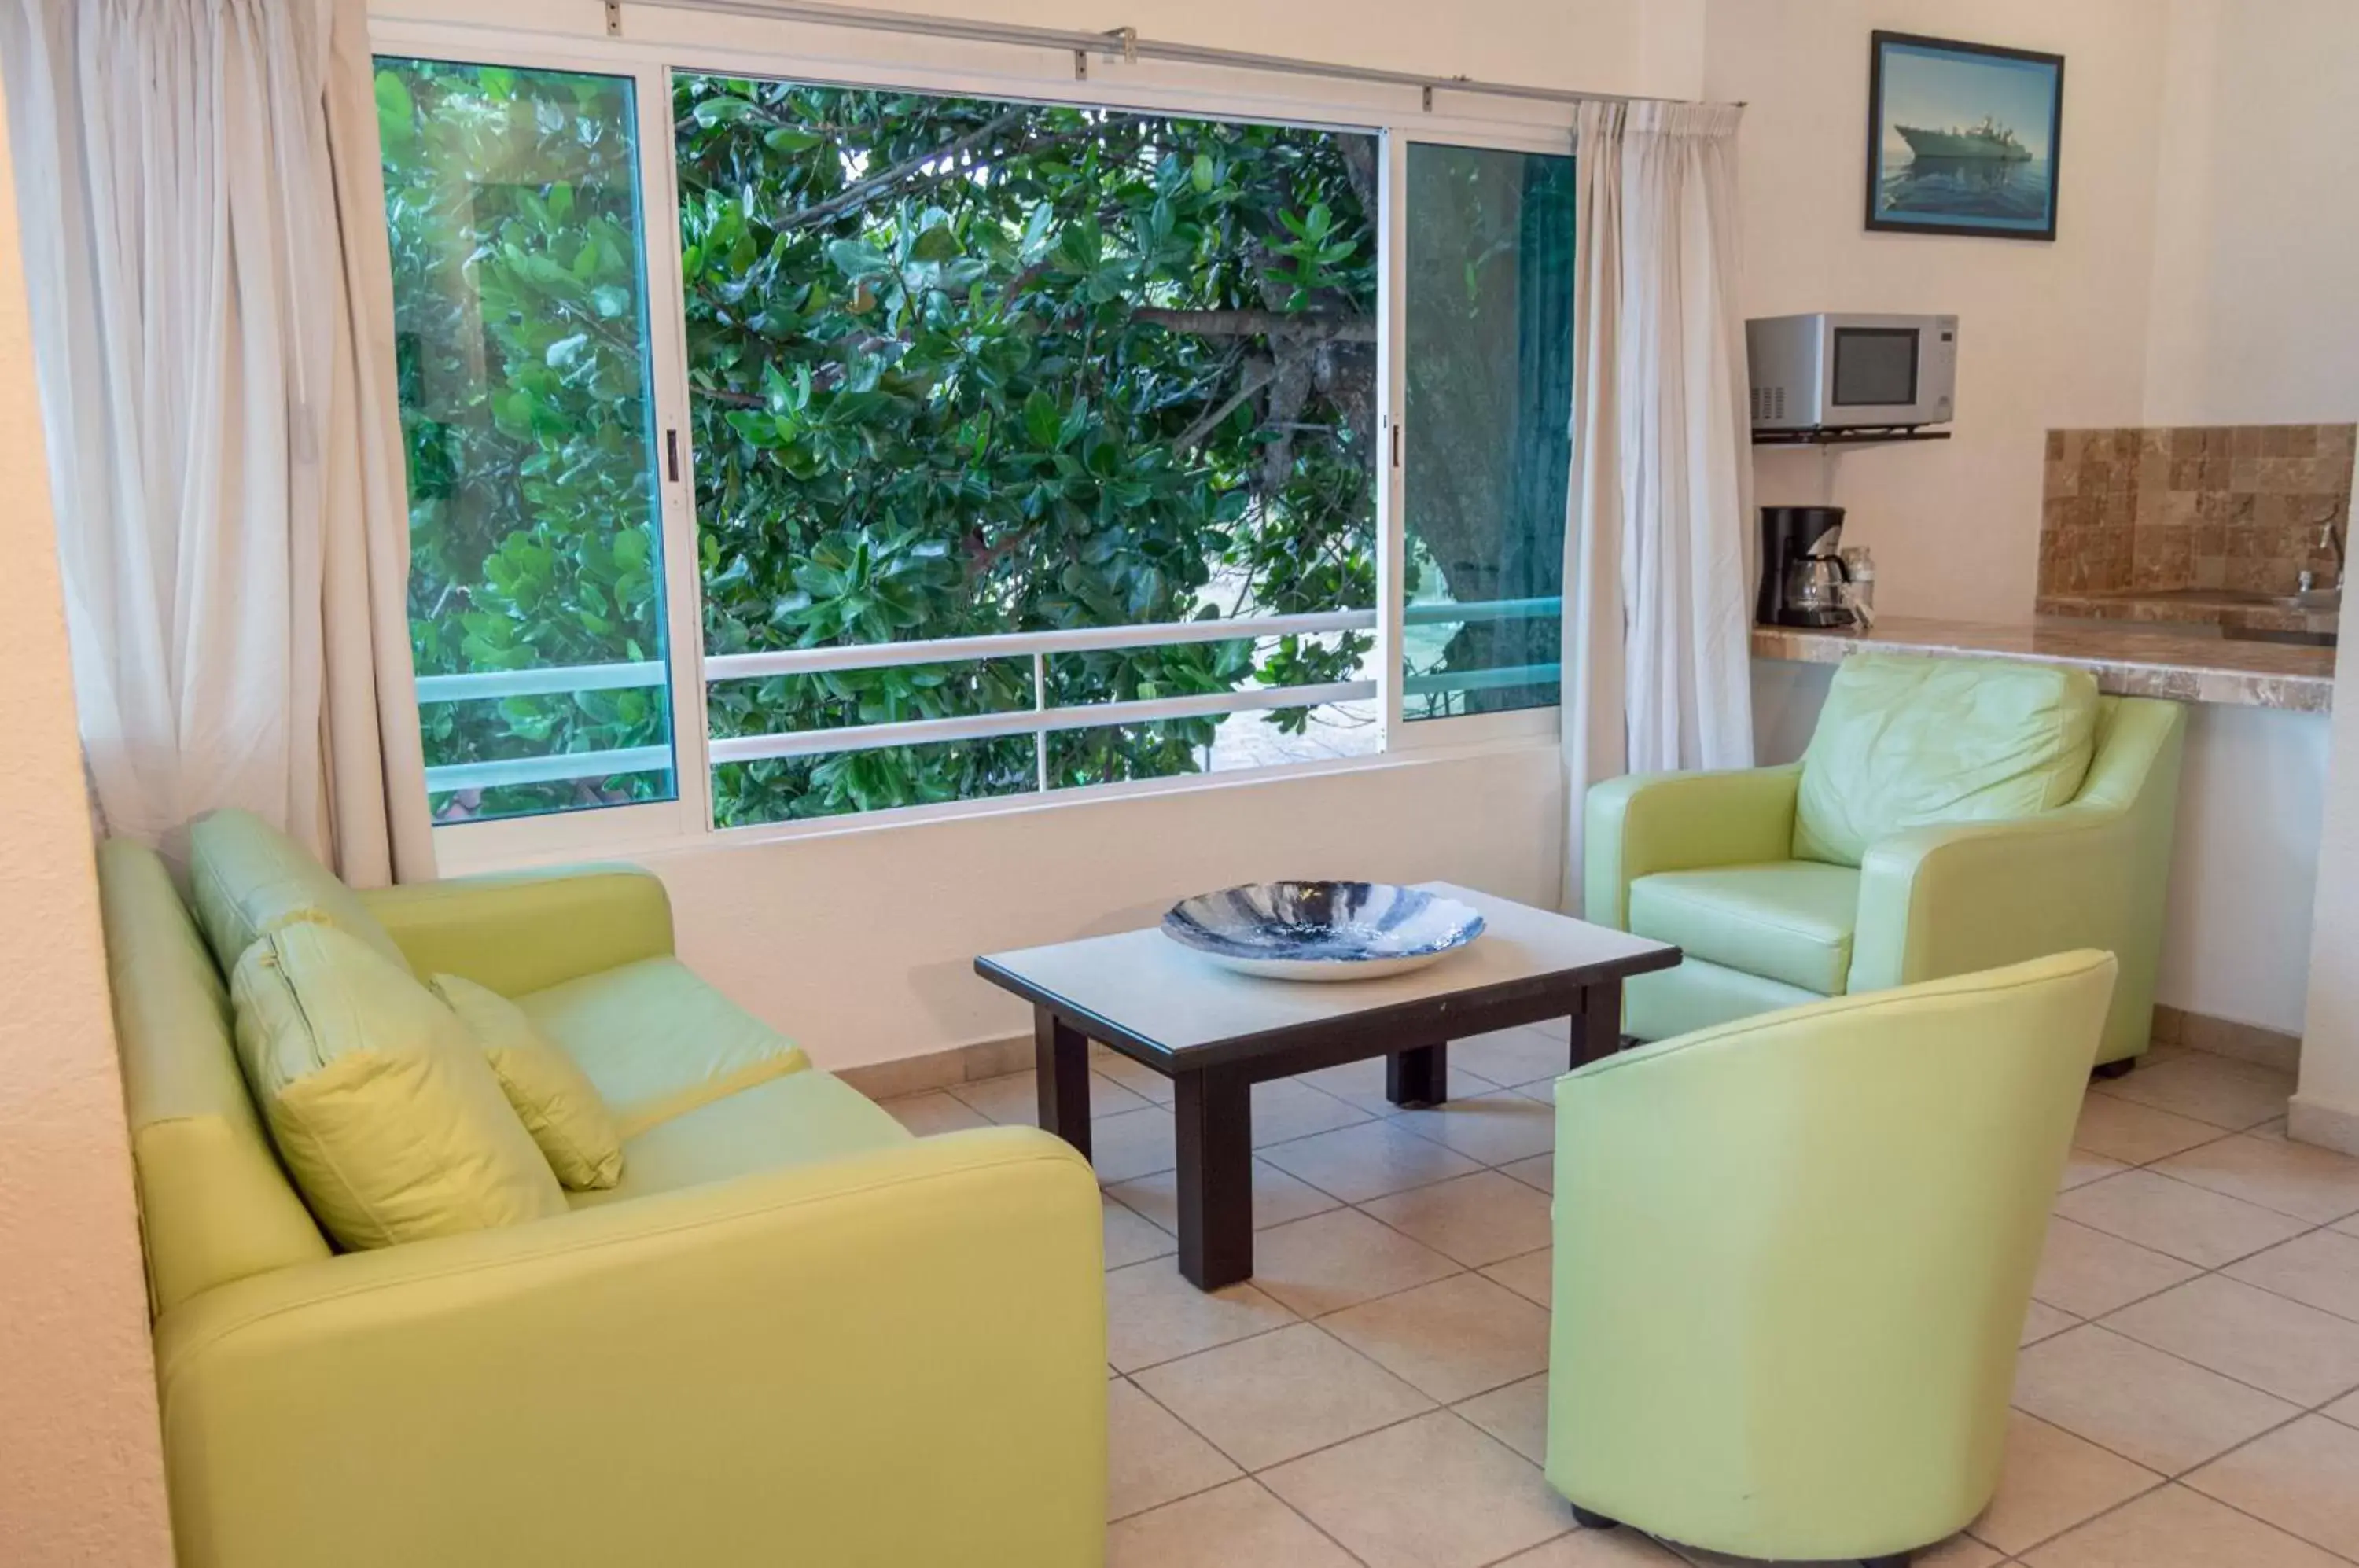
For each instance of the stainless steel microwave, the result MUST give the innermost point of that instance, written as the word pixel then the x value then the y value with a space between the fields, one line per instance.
pixel 1840 372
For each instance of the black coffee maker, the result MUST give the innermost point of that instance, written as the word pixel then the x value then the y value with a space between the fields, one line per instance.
pixel 1802 572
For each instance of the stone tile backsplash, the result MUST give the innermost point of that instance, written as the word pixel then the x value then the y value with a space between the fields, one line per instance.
pixel 2210 507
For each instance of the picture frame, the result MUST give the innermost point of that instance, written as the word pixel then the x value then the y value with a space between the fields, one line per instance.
pixel 1962 138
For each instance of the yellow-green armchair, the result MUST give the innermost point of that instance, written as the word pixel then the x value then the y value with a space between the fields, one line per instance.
pixel 1793 1256
pixel 1950 815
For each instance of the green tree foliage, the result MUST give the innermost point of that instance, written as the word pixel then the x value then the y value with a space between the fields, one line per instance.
pixel 962 367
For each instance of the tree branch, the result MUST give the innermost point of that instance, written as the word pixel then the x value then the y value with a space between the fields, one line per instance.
pixel 868 189
pixel 1257 376
pixel 1315 326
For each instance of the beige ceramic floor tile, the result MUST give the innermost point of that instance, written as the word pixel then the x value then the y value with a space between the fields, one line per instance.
pixel 1538 1171
pixel 1151 1456
pixel 1284 1108
pixel 1516 1415
pixel 1236 1526
pixel 2040 1320
pixel 1012 1099
pixel 2320 1269
pixel 1531 1276
pixel 1596 1549
pixel 2088 1273
pixel 1431 1492
pixel 1276 1197
pixel 2081 1168
pixel 1267 1400
pixel 2174 1528
pixel 1495 1129
pixel 2215 1089
pixel 2304 1477
pixel 1142 1080
pixel 1362 1083
pixel 1452 1339
pixel 1514 1056
pixel 2295 1351
pixel 2297 1179
pixel 933 1112
pixel 2145 1405
pixel 2345 1409
pixel 2052 1481
pixel 1154 1315
pixel 1475 1219
pixel 1958 1551
pixel 1335 1260
pixel 1357 1163
pixel 1133 1144
pixel 1130 1239
pixel 2203 1227
pixel 2136 1134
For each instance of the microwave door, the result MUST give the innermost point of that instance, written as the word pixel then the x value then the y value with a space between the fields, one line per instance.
pixel 1872 374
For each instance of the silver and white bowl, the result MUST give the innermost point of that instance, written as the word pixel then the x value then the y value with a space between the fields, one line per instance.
pixel 1321 930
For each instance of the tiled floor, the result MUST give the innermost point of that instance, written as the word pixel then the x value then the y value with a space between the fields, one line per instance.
pixel 1375 1395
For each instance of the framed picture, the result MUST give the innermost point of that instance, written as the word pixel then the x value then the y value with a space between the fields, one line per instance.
pixel 1962 138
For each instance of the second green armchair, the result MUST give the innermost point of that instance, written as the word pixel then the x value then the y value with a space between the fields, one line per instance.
pixel 1782 895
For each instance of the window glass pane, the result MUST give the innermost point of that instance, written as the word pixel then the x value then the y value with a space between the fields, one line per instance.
pixel 1488 448
pixel 963 368
pixel 536 590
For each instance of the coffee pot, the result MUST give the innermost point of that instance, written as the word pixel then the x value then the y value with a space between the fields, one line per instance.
pixel 1804 582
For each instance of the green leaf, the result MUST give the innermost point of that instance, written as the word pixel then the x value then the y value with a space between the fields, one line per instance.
pixel 714 112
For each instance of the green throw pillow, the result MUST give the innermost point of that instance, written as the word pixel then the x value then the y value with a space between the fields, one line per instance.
pixel 388 1116
pixel 552 1096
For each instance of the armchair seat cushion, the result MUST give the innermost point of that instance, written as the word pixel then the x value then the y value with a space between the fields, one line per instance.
pixel 658 1042
pixel 1790 920
pixel 793 1120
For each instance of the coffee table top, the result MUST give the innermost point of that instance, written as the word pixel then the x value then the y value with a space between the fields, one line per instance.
pixel 1144 993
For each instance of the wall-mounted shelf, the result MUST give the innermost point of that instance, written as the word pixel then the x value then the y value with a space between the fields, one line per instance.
pixel 1856 435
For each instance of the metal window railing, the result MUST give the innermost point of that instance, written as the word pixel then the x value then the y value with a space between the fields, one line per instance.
pixel 1038 720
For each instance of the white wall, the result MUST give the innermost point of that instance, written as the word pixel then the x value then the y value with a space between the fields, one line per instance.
pixel 861 944
pixel 2049 334
pixel 2254 314
pixel 2236 934
pixel 81 1467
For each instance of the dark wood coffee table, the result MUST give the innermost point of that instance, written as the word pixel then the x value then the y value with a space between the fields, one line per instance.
pixel 1215 1033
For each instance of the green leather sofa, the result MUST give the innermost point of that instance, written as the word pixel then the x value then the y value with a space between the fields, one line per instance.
pixel 791 1334
pixel 1793 1256
pixel 1769 915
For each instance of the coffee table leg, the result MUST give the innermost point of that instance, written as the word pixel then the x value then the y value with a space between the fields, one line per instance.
pixel 1061 1054
pixel 1419 1077
pixel 1213 1111
pixel 1597 1028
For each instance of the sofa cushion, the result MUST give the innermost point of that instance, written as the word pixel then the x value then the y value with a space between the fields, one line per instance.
pixel 250 879
pixel 799 1119
pixel 1903 742
pixel 552 1096
pixel 1790 920
pixel 658 1041
pixel 384 1109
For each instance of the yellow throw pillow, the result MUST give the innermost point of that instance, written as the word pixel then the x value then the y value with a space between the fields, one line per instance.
pixel 552 1096
pixel 388 1116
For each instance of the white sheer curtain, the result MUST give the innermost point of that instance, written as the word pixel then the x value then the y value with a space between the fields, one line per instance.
pixel 204 249
pixel 1657 663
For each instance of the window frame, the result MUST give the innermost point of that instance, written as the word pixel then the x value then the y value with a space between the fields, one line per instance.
pixel 655 44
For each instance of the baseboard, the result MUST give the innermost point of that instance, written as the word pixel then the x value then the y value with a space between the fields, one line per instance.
pixel 2226 1037
pixel 940 1069
pixel 2329 1126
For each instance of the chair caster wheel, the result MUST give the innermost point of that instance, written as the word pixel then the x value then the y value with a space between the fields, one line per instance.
pixel 1588 1521
pixel 2117 1069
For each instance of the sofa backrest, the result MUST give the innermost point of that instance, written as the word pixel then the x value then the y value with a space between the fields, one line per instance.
pixel 1906 742
pixel 215 1205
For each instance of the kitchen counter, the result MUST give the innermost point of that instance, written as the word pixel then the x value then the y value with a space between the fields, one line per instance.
pixel 2311 615
pixel 2127 661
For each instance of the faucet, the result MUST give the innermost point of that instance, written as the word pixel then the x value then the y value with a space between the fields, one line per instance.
pixel 2330 538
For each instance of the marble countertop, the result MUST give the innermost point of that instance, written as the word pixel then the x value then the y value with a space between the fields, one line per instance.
pixel 2193 606
pixel 2127 659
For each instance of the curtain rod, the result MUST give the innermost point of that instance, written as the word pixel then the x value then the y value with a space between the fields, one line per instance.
pixel 1117 43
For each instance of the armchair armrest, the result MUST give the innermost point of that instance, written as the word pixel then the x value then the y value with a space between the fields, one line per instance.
pixel 524 932
pixel 1643 823
pixel 895 1358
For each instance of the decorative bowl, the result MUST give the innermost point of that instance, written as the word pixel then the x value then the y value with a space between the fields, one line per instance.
pixel 1321 930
